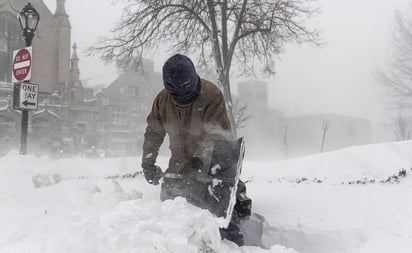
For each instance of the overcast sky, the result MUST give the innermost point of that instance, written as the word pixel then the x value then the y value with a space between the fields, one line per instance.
pixel 333 79
pixel 338 77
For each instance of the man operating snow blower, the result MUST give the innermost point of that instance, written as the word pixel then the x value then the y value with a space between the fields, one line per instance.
pixel 205 161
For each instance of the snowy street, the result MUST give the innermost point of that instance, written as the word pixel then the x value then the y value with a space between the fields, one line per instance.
pixel 343 201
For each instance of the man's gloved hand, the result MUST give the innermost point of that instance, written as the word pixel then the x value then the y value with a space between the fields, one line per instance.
pixel 152 173
pixel 193 169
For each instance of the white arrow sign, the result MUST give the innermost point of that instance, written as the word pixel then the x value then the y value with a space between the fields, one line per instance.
pixel 29 96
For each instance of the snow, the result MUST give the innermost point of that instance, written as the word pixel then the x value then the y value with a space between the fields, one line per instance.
pixel 329 202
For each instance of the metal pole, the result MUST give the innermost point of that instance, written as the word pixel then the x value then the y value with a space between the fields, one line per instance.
pixel 26 17
pixel 325 128
pixel 25 113
pixel 24 127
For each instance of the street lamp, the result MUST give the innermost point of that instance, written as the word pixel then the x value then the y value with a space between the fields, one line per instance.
pixel 28 18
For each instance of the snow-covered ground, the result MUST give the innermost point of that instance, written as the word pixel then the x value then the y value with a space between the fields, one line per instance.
pixel 343 201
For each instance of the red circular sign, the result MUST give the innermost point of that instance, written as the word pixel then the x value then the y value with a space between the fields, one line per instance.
pixel 22 64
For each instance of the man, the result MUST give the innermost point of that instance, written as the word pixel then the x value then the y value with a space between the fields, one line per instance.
pixel 192 112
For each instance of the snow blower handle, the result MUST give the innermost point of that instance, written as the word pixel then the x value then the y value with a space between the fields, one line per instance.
pixel 169 175
pixel 202 179
pixel 179 176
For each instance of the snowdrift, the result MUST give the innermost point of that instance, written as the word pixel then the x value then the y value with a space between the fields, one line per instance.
pixel 352 200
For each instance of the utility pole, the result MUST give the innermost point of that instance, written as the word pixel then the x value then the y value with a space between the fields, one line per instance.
pixel 325 128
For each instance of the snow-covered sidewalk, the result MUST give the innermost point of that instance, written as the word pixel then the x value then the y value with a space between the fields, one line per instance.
pixel 343 201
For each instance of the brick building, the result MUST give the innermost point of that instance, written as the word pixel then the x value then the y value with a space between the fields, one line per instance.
pixel 64 117
pixel 70 118
pixel 123 107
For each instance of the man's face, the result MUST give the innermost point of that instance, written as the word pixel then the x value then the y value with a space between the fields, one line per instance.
pixel 181 89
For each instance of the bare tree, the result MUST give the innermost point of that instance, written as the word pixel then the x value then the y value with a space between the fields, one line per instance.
pixel 240 113
pixel 396 75
pixel 248 32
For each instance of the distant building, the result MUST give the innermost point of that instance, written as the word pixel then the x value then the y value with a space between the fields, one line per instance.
pixel 261 130
pixel 123 107
pixel 50 68
pixel 70 118
pixel 305 134
pixel 256 94
pixel 51 44
pixel 270 134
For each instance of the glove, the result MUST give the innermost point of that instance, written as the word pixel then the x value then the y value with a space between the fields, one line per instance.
pixel 152 173
pixel 193 169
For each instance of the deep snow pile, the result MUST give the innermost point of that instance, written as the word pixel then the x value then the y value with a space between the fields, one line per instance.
pixel 333 202
pixel 74 205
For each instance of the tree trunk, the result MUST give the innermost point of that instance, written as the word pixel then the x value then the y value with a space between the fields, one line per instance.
pixel 225 84
pixel 222 68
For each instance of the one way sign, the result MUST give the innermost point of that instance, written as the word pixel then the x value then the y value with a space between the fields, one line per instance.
pixel 27 96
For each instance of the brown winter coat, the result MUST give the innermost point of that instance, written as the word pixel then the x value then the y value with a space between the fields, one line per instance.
pixel 191 129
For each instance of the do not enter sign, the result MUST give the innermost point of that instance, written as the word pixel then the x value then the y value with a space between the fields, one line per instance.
pixel 21 69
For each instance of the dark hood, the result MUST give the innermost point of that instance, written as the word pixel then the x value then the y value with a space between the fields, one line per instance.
pixel 181 80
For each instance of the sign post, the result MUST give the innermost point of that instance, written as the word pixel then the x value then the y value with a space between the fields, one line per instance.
pixel 28 18
pixel 25 94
